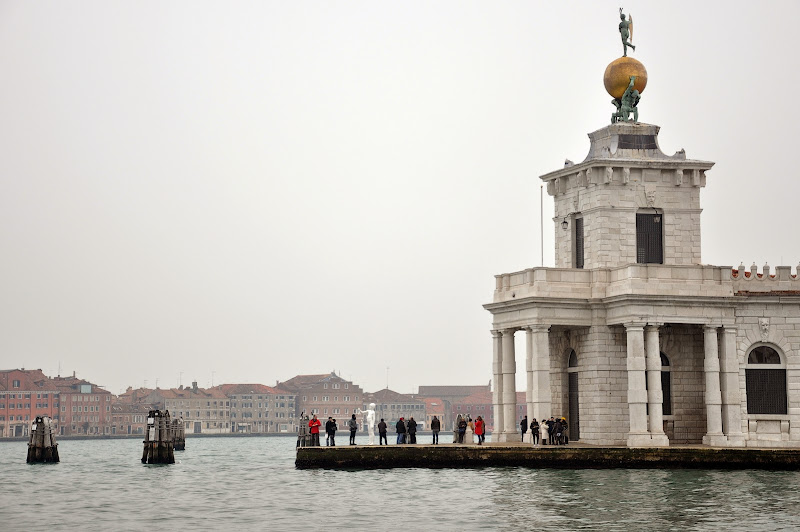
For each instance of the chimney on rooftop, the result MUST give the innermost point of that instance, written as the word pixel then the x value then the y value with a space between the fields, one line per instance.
pixel 194 386
pixel 73 373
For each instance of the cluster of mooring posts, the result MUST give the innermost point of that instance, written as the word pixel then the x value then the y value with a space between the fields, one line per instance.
pixel 179 434
pixel 303 432
pixel 159 439
pixel 42 446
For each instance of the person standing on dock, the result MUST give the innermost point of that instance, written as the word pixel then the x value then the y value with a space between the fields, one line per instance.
pixel 328 431
pixel 535 431
pixel 412 430
pixel 436 426
pixel 480 430
pixel 551 436
pixel 401 431
pixel 462 428
pixel 314 424
pixel 382 433
pixel 334 428
pixel 523 427
pixel 353 424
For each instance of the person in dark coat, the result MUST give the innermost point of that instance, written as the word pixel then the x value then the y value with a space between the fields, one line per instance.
pixel 401 431
pixel 551 432
pixel 382 433
pixel 328 431
pixel 523 427
pixel 436 426
pixel 535 431
pixel 334 428
pixel 462 428
pixel 353 425
pixel 412 430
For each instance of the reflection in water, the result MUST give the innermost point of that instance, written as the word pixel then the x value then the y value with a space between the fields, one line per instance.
pixel 251 484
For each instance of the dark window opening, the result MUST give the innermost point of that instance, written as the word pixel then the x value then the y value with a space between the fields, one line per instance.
pixel 579 242
pixel 766 387
pixel 649 241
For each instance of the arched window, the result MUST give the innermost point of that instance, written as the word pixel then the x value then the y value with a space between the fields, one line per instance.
pixel 765 377
pixel 666 386
pixel 573 359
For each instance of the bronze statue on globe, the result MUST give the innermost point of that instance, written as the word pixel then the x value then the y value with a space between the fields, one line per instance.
pixel 625 78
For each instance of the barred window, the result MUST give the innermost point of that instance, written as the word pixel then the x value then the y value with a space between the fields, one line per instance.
pixel 765 381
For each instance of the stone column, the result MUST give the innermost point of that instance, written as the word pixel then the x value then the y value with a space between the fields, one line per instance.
pixel 497 375
pixel 541 372
pixel 655 395
pixel 509 387
pixel 729 387
pixel 529 370
pixel 713 395
pixel 637 394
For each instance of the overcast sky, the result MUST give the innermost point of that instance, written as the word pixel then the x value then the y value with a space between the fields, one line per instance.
pixel 246 191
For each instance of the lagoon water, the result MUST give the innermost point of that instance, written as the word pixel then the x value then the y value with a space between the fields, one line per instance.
pixel 251 484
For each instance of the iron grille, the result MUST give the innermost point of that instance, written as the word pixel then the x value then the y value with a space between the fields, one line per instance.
pixel 766 391
pixel 649 243
pixel 666 408
pixel 579 242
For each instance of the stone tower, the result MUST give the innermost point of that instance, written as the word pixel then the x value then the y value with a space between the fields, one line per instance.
pixel 627 202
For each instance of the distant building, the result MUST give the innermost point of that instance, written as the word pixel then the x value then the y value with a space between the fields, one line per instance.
pixel 325 395
pixel 256 408
pixel 449 395
pixel 391 406
pixel 25 394
pixel 204 411
pixel 85 407
pixel 128 418
pixel 480 404
pixel 435 407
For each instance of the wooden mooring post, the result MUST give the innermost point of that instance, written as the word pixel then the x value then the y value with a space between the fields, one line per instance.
pixel 42 446
pixel 179 434
pixel 158 439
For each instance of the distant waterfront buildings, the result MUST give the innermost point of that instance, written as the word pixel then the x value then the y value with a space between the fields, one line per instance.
pixel 391 406
pixel 25 394
pixel 85 408
pixel 261 409
pixel 325 395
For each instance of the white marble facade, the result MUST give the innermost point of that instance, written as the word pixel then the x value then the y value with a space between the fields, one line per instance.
pixel 632 325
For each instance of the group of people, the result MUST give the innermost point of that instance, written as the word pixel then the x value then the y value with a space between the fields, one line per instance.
pixel 478 428
pixel 406 430
pixel 330 430
pixel 554 431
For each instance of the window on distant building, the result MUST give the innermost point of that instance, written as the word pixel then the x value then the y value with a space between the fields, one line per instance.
pixel 15 384
pixel 765 381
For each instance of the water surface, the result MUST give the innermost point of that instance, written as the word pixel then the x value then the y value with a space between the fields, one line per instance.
pixel 251 484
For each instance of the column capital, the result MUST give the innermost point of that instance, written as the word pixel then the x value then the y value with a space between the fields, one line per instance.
pixel 510 331
pixel 538 328
pixel 730 329
pixel 653 326
pixel 710 327
pixel 634 326
pixel 496 333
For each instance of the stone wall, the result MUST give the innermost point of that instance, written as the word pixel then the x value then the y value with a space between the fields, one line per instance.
pixel 766 320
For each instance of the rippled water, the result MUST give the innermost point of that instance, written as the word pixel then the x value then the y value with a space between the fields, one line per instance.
pixel 251 484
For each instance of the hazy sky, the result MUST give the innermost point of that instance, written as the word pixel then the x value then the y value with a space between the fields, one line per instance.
pixel 251 190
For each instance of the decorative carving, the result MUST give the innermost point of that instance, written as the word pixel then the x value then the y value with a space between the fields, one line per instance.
pixel 589 175
pixel 581 177
pixel 650 196
pixel 763 324
pixel 678 177
pixel 609 175
pixel 695 178
pixel 626 176
pixel 626 32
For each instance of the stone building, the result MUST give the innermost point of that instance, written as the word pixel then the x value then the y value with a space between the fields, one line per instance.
pixel 391 406
pixel 480 404
pixel 260 409
pixel 128 417
pixel 85 408
pixel 325 395
pixel 450 394
pixel 204 411
pixel 25 394
pixel 631 337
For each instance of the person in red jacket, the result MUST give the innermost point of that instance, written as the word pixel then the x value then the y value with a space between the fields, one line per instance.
pixel 314 424
pixel 480 430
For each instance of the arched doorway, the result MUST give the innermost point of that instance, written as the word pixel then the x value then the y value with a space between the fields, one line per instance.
pixel 573 417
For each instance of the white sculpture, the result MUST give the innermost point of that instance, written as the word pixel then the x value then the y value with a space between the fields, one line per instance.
pixel 369 421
